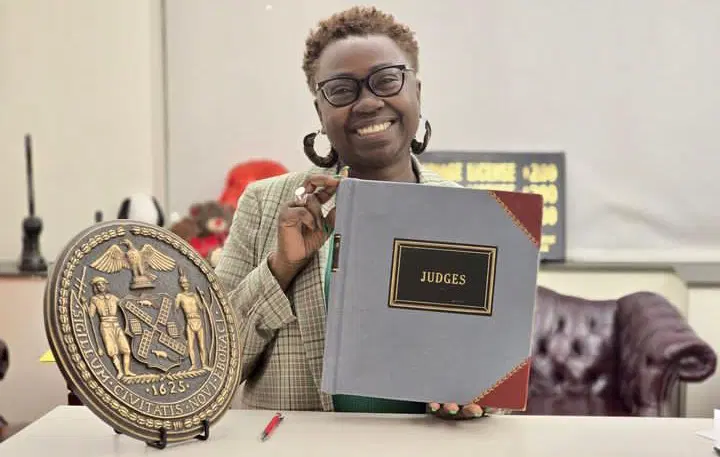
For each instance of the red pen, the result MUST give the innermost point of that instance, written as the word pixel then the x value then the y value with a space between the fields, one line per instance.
pixel 277 418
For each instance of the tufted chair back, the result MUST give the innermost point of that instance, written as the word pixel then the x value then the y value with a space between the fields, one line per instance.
pixel 574 356
pixel 611 357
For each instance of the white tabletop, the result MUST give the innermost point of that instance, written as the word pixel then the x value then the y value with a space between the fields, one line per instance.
pixel 72 431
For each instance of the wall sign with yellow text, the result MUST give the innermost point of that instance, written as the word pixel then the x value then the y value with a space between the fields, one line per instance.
pixel 534 172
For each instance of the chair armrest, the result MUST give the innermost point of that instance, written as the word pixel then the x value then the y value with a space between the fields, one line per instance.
pixel 657 348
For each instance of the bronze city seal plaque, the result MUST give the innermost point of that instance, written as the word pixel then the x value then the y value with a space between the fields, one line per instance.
pixel 142 331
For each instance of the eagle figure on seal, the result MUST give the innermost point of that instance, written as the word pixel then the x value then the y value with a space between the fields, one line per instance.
pixel 137 261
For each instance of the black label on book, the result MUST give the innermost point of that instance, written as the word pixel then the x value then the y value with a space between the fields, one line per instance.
pixel 439 276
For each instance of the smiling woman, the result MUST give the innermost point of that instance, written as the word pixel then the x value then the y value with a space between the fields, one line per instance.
pixel 366 114
pixel 361 68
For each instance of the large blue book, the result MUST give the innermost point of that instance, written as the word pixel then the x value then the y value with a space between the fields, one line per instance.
pixel 432 293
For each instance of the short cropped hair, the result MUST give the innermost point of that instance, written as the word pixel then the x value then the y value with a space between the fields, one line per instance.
pixel 356 21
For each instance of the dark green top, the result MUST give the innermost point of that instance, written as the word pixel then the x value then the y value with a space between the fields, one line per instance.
pixel 354 403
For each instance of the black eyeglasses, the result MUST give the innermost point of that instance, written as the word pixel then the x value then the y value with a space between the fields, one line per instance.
pixel 383 82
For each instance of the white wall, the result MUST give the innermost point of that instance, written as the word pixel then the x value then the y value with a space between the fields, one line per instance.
pixel 627 88
pixel 84 77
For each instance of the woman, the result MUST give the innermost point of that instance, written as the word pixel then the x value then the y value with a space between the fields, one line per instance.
pixel 361 67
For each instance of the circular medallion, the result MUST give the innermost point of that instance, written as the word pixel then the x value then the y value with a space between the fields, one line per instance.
pixel 142 330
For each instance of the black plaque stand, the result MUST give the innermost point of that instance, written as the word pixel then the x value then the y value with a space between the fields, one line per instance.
pixel 162 442
pixel 31 259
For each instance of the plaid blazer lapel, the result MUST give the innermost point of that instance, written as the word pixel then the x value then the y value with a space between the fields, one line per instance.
pixel 309 299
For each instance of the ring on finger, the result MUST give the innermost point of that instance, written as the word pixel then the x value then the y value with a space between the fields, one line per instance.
pixel 300 196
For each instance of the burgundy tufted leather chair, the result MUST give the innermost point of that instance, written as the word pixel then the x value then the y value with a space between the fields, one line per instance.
pixel 611 357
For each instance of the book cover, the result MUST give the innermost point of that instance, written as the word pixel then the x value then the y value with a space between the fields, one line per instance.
pixel 432 293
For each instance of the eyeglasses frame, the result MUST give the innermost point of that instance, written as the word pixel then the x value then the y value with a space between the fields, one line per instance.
pixel 364 82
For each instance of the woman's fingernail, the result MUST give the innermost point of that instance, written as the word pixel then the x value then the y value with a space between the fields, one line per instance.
pixel 453 411
pixel 434 408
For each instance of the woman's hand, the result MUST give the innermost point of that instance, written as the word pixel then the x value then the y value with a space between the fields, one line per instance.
pixel 454 411
pixel 302 229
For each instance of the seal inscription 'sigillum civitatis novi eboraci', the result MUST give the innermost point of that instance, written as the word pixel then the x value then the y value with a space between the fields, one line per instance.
pixel 142 331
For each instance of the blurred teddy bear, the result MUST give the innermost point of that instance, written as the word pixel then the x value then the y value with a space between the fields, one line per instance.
pixel 206 228
pixel 208 224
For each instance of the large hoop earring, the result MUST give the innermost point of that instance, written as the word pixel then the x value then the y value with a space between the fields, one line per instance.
pixel 418 147
pixel 309 148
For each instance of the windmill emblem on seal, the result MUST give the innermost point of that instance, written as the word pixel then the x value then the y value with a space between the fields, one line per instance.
pixel 138 261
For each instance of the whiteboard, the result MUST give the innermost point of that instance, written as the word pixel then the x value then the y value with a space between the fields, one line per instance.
pixel 629 90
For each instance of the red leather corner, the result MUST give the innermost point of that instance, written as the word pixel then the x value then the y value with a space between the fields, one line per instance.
pixel 511 392
pixel 525 209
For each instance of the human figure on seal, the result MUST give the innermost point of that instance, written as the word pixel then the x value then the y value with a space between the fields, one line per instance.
pixel 191 306
pixel 113 336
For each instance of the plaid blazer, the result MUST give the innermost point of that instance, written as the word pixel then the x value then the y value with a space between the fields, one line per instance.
pixel 281 333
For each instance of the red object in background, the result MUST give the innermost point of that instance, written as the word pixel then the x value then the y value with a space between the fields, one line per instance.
pixel 243 174
pixel 206 244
